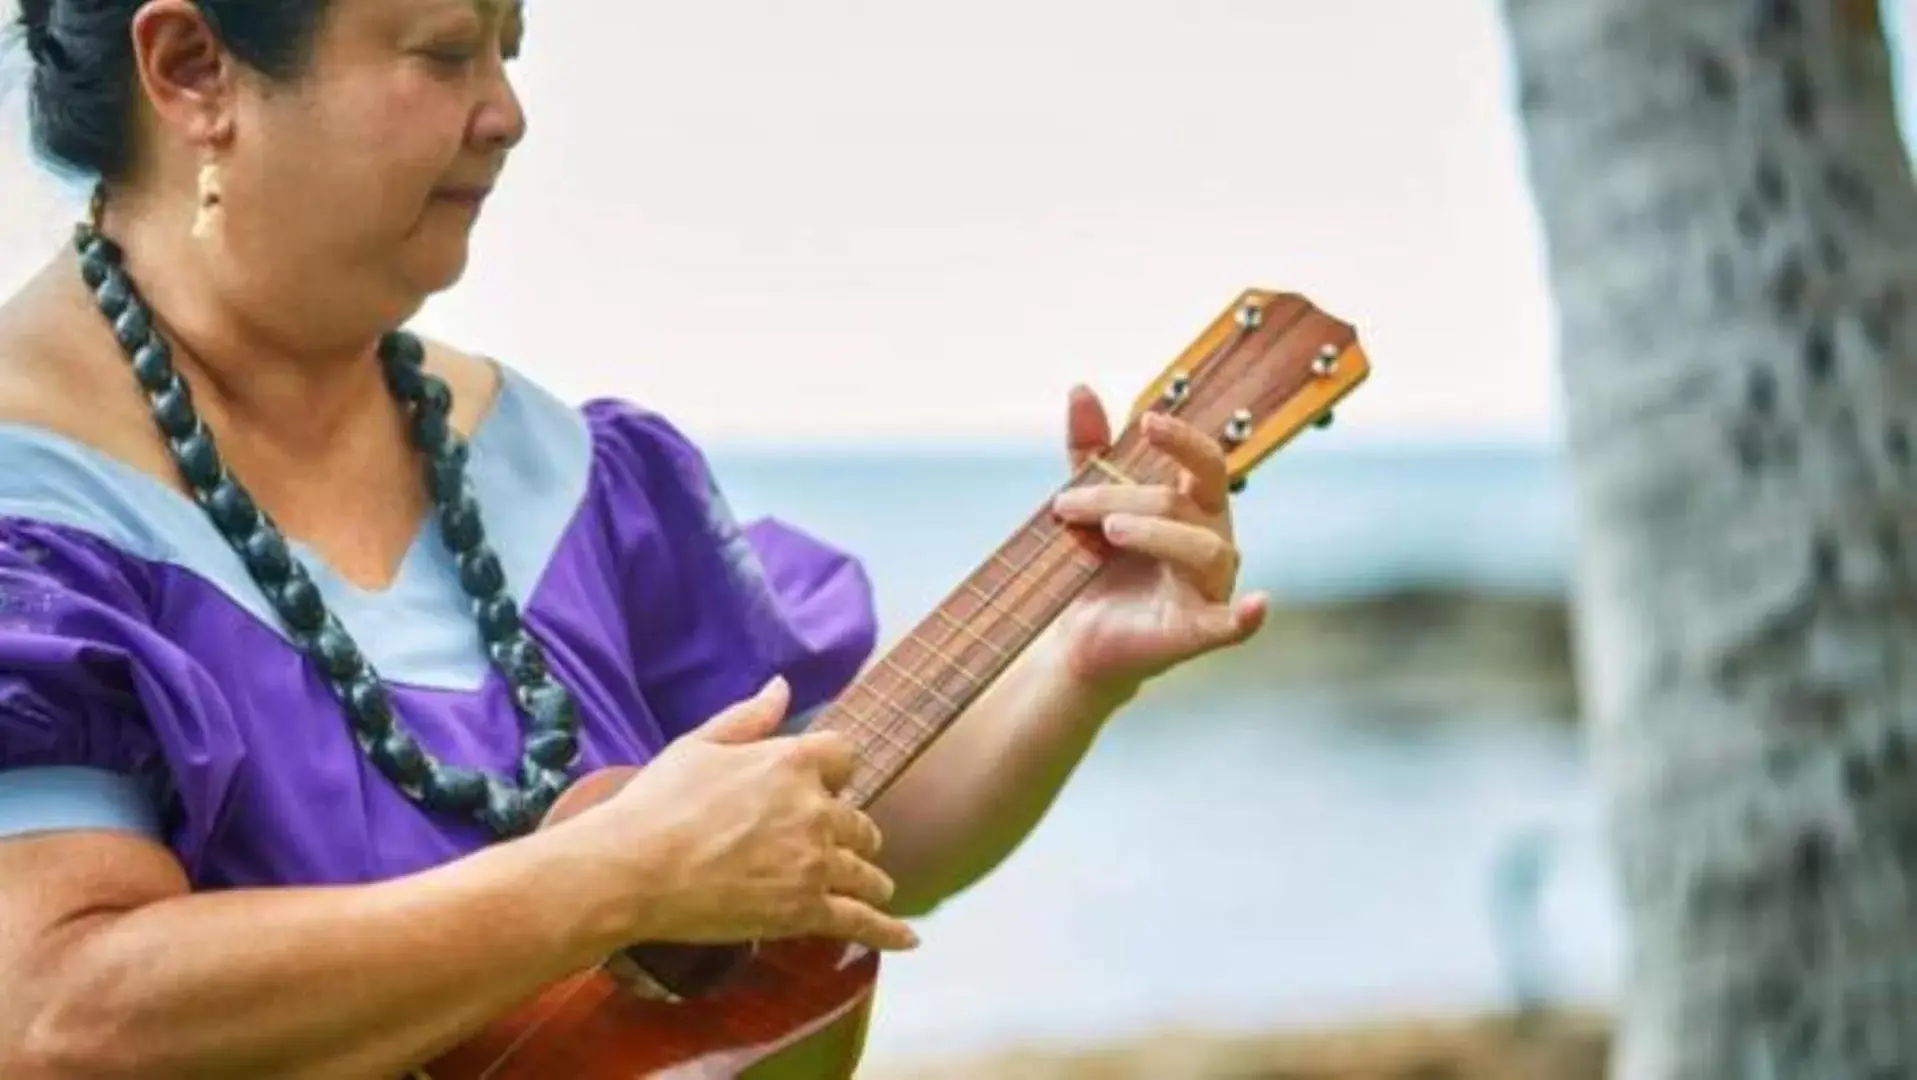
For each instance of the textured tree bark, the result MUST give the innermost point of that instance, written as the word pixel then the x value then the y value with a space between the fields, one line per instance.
pixel 1729 218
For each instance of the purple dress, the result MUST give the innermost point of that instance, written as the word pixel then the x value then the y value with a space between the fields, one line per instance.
pixel 145 684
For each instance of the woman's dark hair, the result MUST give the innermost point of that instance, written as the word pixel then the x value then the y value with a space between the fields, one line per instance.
pixel 80 91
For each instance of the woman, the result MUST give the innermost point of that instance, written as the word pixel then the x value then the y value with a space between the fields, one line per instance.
pixel 272 751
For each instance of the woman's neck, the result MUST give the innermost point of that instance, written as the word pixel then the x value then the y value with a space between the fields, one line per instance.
pixel 257 365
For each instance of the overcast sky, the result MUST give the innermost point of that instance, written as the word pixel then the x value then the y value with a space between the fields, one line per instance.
pixel 830 221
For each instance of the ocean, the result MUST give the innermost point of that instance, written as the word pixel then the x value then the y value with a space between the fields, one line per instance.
pixel 1249 860
pixel 1316 522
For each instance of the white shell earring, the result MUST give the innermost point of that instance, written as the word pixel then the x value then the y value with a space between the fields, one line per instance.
pixel 209 200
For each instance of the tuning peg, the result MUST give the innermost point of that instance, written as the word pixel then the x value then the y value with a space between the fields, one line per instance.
pixel 1236 485
pixel 1326 362
pixel 1238 428
pixel 1324 419
pixel 1251 315
pixel 1177 389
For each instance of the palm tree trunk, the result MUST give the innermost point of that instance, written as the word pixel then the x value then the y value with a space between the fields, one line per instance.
pixel 1731 229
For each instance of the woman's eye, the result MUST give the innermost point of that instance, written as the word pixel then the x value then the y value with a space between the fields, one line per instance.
pixel 450 55
pixel 460 55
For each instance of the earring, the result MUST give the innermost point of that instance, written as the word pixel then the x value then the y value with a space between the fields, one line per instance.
pixel 209 200
pixel 96 206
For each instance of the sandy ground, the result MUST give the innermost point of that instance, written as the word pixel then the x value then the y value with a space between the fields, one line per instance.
pixel 1568 1047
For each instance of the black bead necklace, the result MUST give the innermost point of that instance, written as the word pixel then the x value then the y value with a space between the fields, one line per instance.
pixel 546 709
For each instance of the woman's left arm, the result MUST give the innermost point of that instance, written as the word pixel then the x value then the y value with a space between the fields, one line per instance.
pixel 966 805
pixel 1167 597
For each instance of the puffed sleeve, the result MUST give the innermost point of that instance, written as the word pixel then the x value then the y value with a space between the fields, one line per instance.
pixel 81 673
pixel 717 608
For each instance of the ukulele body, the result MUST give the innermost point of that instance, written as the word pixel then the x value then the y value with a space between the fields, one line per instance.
pixel 793 1009
pixel 792 1013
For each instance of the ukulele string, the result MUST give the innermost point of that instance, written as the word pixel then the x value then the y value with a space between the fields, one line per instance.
pixel 1132 464
pixel 1136 461
pixel 999 609
pixel 896 724
pixel 894 729
pixel 579 982
pixel 1049 552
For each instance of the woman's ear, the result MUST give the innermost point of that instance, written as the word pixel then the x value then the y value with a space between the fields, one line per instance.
pixel 184 70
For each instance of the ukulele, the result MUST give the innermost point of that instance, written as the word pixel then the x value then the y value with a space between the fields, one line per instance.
pixel 796 1009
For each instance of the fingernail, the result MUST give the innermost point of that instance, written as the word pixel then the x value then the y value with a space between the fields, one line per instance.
pixel 1117 528
pixel 1067 500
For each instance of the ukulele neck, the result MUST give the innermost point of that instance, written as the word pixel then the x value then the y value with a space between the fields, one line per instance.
pixel 917 687
pixel 1267 367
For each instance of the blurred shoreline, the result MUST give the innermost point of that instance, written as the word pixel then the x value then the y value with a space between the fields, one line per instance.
pixel 1405 679
pixel 1411 653
pixel 1553 1045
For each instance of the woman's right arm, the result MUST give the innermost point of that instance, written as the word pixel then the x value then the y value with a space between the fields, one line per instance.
pixel 110 967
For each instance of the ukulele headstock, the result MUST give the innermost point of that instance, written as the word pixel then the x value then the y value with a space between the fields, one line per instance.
pixel 1270 365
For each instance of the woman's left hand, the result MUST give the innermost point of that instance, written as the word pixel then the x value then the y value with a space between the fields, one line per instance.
pixel 1167 595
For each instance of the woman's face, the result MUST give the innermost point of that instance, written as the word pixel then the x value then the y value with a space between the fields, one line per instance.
pixel 369 171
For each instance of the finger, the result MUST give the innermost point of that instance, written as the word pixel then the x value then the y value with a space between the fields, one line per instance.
pixel 755 718
pixel 1089 505
pixel 1218 626
pixel 856 831
pixel 1235 623
pixel 860 880
pixel 831 754
pixel 1223 625
pixel 1088 432
pixel 1207 479
pixel 1207 559
pixel 854 920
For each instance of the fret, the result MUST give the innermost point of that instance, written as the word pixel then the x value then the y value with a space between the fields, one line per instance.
pixel 876 762
pixel 1047 533
pixel 875 694
pixel 989 602
pixel 1045 587
pixel 967 628
pixel 878 729
pixel 1019 617
pixel 1035 531
pixel 954 663
pixel 922 684
pixel 1003 635
pixel 900 727
pixel 963 644
pixel 1111 471
pixel 1086 562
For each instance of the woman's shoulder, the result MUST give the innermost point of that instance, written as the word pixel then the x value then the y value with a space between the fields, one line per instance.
pixel 61 377
pixel 75 437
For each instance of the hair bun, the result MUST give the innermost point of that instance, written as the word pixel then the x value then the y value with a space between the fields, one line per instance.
pixel 83 85
pixel 36 23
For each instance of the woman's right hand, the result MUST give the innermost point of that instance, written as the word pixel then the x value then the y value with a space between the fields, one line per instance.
pixel 732 835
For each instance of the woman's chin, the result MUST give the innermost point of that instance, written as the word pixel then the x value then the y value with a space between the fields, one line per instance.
pixel 438 262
